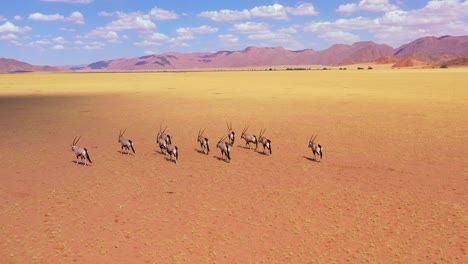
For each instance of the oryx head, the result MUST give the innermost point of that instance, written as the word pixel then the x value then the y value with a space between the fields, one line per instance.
pixel 75 141
pixel 243 132
pixel 260 135
pixel 121 134
pixel 200 134
pixel 229 128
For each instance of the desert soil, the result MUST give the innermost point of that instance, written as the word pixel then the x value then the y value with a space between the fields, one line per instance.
pixel 392 185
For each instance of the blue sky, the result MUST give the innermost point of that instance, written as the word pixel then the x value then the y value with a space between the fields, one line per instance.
pixel 73 32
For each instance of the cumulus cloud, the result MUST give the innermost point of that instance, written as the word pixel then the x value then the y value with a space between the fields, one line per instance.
pixel 58 47
pixel 132 21
pixel 250 28
pixel 304 9
pixel 75 18
pixel 8 36
pixel 368 6
pixel 96 45
pixel 438 17
pixel 17 18
pixel 188 33
pixel 161 14
pixel 46 18
pixel 59 40
pixel 228 39
pixel 100 32
pixel 9 27
pixel 275 11
pixel 226 15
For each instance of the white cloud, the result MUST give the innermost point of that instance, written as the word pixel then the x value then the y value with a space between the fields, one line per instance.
pixel 159 37
pixel 340 37
pixel 149 52
pixel 368 6
pixel 100 32
pixel 228 39
pixel 8 36
pixel 437 18
pixel 105 14
pixel 147 43
pixel 188 33
pixel 161 14
pixel 226 15
pixel 70 1
pixel 304 9
pixel 275 11
pixel 58 47
pixel 131 21
pixel 46 18
pixel 16 43
pixel 9 27
pixel 17 18
pixel 59 40
pixel 96 45
pixel 2 18
pixel 75 18
pixel 250 28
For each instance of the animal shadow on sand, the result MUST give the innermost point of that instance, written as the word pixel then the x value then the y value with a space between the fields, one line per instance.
pixel 220 159
pixel 125 153
pixel 169 159
pixel 200 151
pixel 244 147
pixel 82 163
pixel 311 159
pixel 159 152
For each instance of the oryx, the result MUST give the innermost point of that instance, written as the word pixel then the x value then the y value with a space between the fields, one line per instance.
pixel 204 143
pixel 265 141
pixel 317 149
pixel 225 149
pixel 125 143
pixel 172 150
pixel 80 152
pixel 249 138
pixel 163 135
pixel 163 140
pixel 231 134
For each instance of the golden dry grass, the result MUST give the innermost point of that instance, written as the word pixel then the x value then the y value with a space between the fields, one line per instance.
pixel 391 187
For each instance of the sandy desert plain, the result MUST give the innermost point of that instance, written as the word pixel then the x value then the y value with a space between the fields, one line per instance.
pixel 392 186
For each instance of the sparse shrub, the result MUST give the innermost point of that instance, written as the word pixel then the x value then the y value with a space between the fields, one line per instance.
pixel 360 68
pixel 324 69
pixel 444 66
pixel 370 68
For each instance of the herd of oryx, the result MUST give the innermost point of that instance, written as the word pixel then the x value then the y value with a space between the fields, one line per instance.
pixel 167 147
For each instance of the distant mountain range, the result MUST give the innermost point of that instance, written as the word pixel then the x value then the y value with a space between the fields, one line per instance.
pixel 14 66
pixel 423 51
